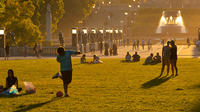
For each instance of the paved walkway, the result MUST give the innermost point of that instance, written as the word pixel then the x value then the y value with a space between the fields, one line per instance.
pixel 183 52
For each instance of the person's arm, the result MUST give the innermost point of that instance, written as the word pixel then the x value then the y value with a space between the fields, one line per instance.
pixel 16 83
pixel 7 83
pixel 58 58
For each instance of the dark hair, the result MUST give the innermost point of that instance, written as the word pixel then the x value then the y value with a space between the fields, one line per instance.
pixel 168 42
pixel 61 51
pixel 151 54
pixel 172 42
pixel 10 70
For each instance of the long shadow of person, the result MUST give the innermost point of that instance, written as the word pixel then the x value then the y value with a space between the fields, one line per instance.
pixel 33 106
pixel 155 82
pixel 13 96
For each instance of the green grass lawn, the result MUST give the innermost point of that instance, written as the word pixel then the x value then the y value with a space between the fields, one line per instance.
pixel 109 87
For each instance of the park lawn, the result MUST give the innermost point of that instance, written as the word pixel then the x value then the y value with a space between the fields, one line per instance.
pixel 109 87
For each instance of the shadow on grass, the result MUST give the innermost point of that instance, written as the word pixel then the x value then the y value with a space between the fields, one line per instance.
pixel 33 106
pixel 13 96
pixel 155 82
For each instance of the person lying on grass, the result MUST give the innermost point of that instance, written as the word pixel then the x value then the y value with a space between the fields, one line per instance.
pixel 96 60
pixel 64 58
pixel 136 57
pixel 11 80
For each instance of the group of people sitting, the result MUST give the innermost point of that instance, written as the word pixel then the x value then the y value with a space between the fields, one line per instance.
pixel 96 60
pixel 135 57
pixel 151 60
pixel 11 81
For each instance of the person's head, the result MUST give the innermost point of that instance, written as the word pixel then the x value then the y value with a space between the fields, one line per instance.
pixel 151 54
pixel 61 51
pixel 172 42
pixel 127 53
pixel 136 53
pixel 10 73
pixel 168 42
pixel 94 56
pixel 157 54
pixel 83 55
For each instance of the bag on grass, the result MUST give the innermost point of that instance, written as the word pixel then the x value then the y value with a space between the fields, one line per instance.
pixel 30 88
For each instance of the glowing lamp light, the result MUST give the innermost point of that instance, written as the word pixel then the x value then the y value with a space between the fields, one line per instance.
pixel 1 31
pixel 93 31
pixel 138 6
pixel 121 31
pixel 107 31
pixel 85 31
pixel 111 31
pixel 109 3
pixel 116 31
pixel 129 6
pixel 126 13
pixel 101 31
pixel 74 31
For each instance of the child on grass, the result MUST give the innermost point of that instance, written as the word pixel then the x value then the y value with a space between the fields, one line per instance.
pixel 64 58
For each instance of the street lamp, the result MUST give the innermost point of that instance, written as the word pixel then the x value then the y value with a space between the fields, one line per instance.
pixel 74 38
pixel 101 31
pixel 1 31
pixel 126 13
pixel 2 38
pixel 85 39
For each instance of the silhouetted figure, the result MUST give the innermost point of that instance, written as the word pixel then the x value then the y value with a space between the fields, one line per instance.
pixel 35 50
pixel 134 44
pixel 136 57
pixel 188 42
pixel 128 57
pixel 106 49
pixel 111 51
pixel 7 49
pixel 83 59
pixel 157 58
pixel 149 44
pixel 166 54
pixel 101 47
pixel 115 49
pixel 174 58
pixel 149 60
pixel 138 44
pixel 143 43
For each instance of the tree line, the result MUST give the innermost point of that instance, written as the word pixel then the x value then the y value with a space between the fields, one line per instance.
pixel 27 18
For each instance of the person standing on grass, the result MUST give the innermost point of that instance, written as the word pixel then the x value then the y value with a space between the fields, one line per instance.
pixel 166 55
pixel 64 58
pixel 174 58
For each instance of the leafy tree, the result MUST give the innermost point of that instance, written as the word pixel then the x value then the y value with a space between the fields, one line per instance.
pixel 76 10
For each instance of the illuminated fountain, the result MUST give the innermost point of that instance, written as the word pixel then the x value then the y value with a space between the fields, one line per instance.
pixel 171 22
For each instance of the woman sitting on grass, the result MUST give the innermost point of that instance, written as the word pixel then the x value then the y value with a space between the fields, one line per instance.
pixel 11 80
pixel 83 59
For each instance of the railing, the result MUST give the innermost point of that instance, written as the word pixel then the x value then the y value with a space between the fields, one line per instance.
pixel 22 51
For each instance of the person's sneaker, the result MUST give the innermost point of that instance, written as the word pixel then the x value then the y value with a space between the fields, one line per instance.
pixel 176 75
pixel 66 95
pixel 56 76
